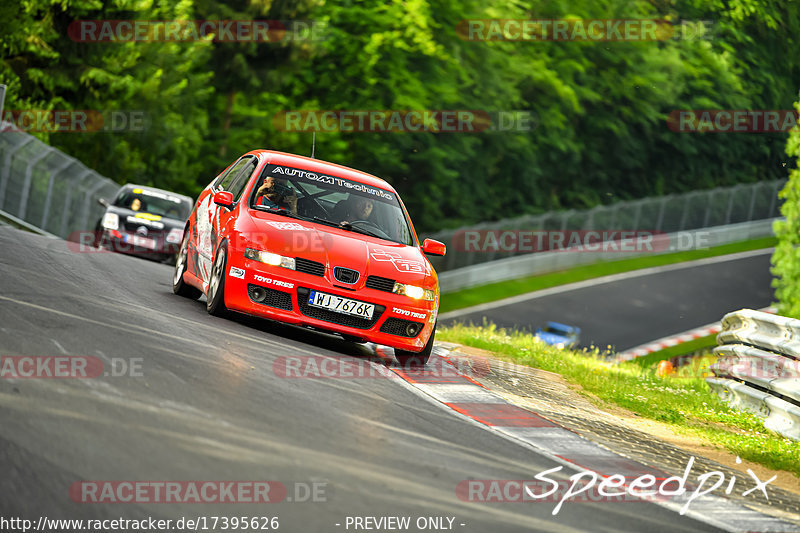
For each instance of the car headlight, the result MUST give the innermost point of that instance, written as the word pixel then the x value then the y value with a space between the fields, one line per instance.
pixel 269 258
pixel 111 221
pixel 412 291
pixel 559 345
pixel 174 236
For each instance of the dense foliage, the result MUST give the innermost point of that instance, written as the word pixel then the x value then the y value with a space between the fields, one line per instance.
pixel 786 258
pixel 601 133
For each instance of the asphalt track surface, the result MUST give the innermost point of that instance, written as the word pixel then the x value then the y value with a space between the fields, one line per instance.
pixel 208 406
pixel 641 308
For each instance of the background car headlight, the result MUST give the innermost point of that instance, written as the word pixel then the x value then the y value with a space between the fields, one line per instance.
pixel 175 236
pixel 269 258
pixel 111 221
pixel 412 291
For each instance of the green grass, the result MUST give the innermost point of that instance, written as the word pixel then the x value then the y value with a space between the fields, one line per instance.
pixel 504 289
pixel 685 348
pixel 686 404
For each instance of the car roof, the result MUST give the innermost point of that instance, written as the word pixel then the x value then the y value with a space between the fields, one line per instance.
pixel 323 167
pixel 559 325
pixel 128 186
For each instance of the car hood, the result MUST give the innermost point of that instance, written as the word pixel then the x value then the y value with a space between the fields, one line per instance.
pixel 130 220
pixel 334 247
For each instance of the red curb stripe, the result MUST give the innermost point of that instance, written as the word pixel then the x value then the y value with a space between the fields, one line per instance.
pixel 500 414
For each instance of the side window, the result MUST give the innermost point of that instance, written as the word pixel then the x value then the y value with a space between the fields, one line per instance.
pixel 225 183
pixel 240 182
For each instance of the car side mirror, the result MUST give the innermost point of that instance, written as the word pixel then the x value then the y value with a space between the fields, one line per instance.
pixel 223 198
pixel 103 202
pixel 431 247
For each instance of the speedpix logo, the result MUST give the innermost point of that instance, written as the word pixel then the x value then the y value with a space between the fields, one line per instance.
pixel 270 281
pixel 406 312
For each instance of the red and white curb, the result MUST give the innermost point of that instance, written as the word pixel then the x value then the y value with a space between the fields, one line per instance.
pixel 674 340
pixel 473 401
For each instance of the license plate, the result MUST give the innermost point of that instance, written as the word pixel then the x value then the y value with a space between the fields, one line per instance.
pixel 137 240
pixel 341 305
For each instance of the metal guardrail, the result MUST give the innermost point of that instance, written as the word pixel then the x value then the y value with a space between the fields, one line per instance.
pixel 47 189
pixel 673 213
pixel 758 368
pixel 533 264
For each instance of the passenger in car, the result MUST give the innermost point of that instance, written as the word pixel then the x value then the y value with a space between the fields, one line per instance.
pixel 275 193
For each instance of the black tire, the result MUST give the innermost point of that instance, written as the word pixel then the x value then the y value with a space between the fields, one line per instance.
pixel 98 235
pixel 180 287
pixel 409 359
pixel 215 304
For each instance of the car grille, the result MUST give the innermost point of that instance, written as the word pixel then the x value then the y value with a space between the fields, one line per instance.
pixel 309 267
pixel 397 326
pixel 345 275
pixel 274 298
pixel 334 317
pixel 380 284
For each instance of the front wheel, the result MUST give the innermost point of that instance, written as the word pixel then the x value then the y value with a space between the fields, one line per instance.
pixel 215 304
pixel 409 359
pixel 180 287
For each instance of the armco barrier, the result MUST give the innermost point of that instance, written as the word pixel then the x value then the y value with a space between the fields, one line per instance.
pixel 543 262
pixel 758 368
pixel 673 214
pixel 42 187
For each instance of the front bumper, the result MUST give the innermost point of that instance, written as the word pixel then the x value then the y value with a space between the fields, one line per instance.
pixel 126 242
pixel 398 321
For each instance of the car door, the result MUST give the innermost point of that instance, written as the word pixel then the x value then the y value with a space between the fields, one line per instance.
pixel 207 217
pixel 236 187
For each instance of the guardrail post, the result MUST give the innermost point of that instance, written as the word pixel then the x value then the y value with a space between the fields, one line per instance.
pixel 5 173
pixel 26 185
pixel 660 220
pixel 49 198
pixel 778 187
pixel 730 206
pixel 685 213
pixel 637 216
pixel 68 201
pixel 87 203
pixel 2 102
pixel 752 207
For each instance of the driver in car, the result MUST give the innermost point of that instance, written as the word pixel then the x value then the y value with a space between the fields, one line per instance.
pixel 275 194
pixel 359 208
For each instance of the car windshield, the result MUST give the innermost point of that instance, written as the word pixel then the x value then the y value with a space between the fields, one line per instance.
pixel 558 331
pixel 154 202
pixel 333 201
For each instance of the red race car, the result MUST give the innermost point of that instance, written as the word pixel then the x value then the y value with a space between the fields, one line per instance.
pixel 315 244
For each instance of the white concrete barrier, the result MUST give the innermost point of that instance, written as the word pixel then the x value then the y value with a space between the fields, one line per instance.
pixel 758 367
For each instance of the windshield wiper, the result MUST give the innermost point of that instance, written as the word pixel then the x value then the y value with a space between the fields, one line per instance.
pixel 326 222
pixel 350 227
pixel 278 211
